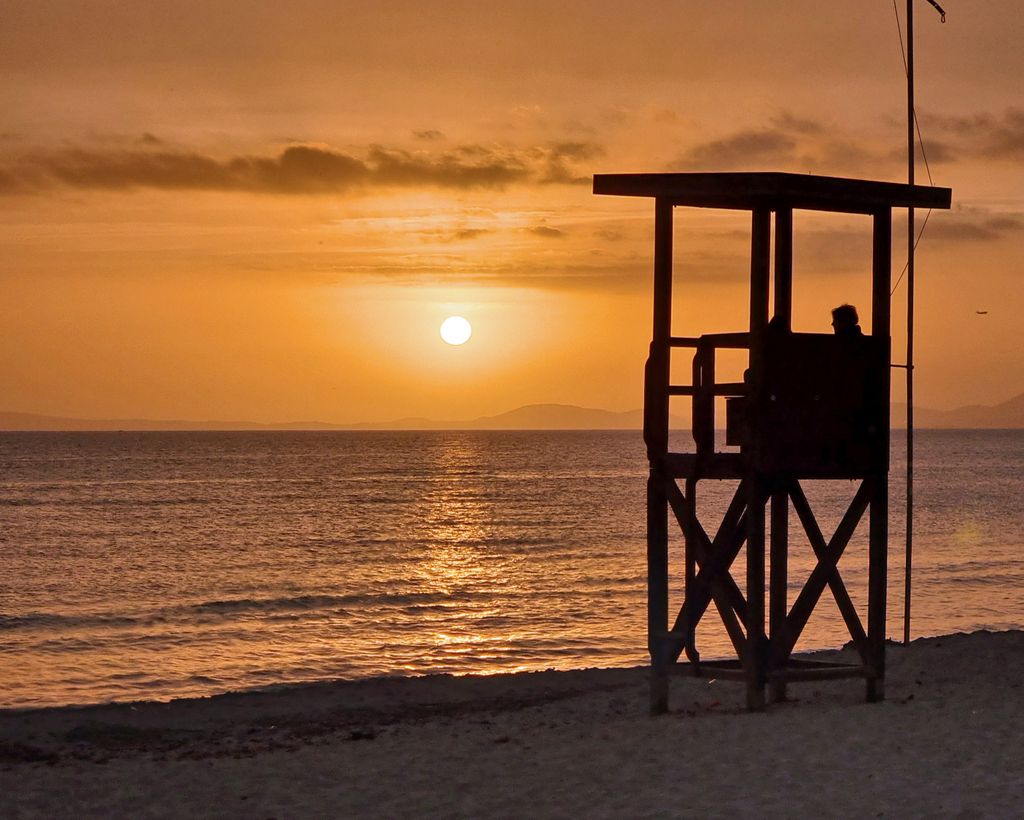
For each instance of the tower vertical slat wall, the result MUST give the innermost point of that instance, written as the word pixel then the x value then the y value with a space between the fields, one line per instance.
pixel 810 407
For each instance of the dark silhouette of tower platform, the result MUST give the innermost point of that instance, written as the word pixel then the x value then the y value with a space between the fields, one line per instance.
pixel 810 407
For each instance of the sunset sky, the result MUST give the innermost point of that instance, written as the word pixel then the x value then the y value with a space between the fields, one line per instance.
pixel 264 211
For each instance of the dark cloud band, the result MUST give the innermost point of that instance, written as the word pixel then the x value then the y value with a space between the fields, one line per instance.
pixel 298 169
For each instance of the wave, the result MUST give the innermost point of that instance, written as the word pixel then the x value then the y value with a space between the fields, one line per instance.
pixel 308 603
pixel 53 620
pixel 295 607
pixel 336 604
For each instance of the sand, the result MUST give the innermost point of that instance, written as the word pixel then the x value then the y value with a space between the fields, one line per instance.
pixel 948 741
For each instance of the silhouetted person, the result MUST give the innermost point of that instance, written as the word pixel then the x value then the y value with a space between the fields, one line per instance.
pixel 846 322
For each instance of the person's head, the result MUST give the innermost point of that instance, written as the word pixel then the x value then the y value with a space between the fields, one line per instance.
pixel 844 318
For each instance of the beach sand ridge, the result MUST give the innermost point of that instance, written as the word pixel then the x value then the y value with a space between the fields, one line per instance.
pixel 945 743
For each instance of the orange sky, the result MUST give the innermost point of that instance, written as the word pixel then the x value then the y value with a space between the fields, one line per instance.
pixel 217 210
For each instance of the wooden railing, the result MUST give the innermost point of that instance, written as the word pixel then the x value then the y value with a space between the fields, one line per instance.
pixel 703 389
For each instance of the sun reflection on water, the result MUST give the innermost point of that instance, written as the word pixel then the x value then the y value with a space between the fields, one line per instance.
pixel 459 530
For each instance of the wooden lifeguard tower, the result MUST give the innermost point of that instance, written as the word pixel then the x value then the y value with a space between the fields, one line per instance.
pixel 810 406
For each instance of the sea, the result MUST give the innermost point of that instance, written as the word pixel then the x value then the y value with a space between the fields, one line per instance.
pixel 160 565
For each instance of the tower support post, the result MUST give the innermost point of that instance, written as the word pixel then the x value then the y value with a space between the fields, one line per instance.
pixel 878 530
pixel 778 599
pixel 656 398
pixel 755 656
pixel 657 590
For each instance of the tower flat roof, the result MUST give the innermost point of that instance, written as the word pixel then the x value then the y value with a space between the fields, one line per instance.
pixel 750 190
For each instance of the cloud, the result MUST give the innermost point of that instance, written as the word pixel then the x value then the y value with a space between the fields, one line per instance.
pixel 935 150
pixel 971 225
pixel 984 134
pixel 785 121
pixel 959 124
pixel 9 184
pixel 470 233
pixel 619 275
pixel 833 251
pixel 404 169
pixel 790 143
pixel 428 135
pixel 1005 139
pixel 85 169
pixel 565 269
pixel 547 232
pixel 743 149
pixel 558 158
pixel 298 169
pixel 574 150
pixel 457 235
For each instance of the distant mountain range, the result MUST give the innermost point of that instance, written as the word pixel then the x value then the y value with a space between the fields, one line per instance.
pixel 530 417
pixel 1006 415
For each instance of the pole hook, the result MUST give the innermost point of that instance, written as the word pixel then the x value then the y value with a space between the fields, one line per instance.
pixel 940 10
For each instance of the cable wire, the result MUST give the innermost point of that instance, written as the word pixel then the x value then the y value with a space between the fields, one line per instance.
pixel 920 138
pixel 916 242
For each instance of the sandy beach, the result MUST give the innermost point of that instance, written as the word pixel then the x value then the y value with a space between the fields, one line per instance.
pixel 945 743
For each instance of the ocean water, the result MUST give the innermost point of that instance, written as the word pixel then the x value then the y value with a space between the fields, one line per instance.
pixel 162 565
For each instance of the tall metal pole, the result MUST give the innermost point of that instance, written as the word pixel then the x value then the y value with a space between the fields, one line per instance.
pixel 910 326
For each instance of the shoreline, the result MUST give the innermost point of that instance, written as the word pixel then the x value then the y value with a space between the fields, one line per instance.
pixel 542 743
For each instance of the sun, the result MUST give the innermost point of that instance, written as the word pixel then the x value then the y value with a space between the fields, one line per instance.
pixel 455 330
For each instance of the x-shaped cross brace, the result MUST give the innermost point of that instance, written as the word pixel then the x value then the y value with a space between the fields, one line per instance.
pixel 825 573
pixel 713 581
